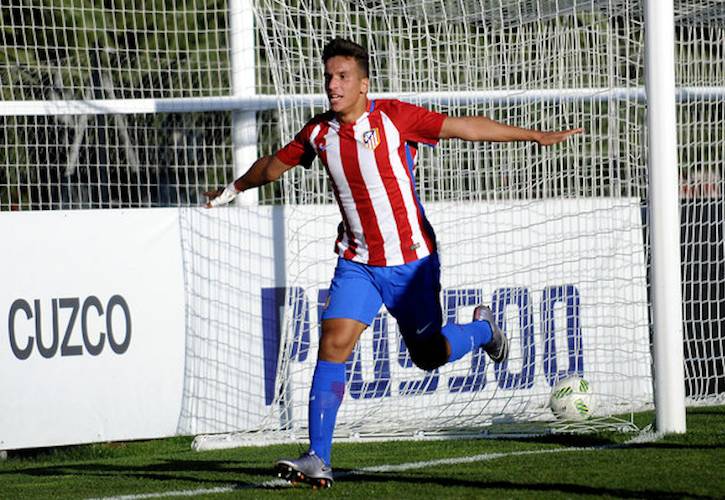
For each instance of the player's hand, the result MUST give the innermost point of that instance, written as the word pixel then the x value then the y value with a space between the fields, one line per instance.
pixel 550 138
pixel 211 195
pixel 221 196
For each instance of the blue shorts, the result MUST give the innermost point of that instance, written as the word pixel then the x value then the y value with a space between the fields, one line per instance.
pixel 410 292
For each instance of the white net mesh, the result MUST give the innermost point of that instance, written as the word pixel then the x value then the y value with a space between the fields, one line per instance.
pixel 700 62
pixel 510 218
pixel 62 49
pixel 555 238
pixel 68 50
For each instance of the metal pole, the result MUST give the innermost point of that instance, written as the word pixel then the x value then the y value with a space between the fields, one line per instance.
pixel 664 216
pixel 242 58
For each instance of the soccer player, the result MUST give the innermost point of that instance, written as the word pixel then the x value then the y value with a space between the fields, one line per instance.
pixel 387 248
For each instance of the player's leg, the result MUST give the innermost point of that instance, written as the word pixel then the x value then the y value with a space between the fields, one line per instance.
pixel 352 305
pixel 414 300
pixel 410 293
pixel 482 332
pixel 339 336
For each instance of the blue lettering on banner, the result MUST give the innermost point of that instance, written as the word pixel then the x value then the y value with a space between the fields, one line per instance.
pixel 273 300
pixel 569 296
pixel 519 297
pixel 379 386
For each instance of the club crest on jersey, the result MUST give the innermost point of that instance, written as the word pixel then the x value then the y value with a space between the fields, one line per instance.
pixel 371 138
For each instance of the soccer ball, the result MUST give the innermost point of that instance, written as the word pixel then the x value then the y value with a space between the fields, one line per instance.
pixel 571 399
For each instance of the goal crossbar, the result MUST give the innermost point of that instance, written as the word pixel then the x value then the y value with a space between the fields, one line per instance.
pixel 266 102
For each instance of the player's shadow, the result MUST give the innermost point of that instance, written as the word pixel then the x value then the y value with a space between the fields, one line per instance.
pixel 593 441
pixel 559 489
pixel 225 471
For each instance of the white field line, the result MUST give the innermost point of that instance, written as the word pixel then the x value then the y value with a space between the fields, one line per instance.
pixel 180 493
pixel 484 457
pixel 375 469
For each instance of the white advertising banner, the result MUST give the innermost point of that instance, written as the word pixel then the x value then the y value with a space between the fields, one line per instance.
pixel 92 310
pixel 131 324
pixel 567 279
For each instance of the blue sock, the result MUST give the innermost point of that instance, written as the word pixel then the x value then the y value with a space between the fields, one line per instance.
pixel 328 388
pixel 465 338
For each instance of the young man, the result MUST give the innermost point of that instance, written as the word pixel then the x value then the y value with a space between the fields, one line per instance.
pixel 387 248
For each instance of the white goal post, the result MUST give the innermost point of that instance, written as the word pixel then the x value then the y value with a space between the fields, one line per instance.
pixel 577 247
pixel 669 371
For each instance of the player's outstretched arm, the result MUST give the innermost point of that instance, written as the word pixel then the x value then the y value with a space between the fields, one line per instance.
pixel 264 170
pixel 480 128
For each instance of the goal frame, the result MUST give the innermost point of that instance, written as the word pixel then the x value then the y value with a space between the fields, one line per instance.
pixel 659 94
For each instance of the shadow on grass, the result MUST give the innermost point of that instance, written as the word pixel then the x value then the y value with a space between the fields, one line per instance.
pixel 566 440
pixel 659 445
pixel 706 410
pixel 563 489
pixel 230 473
pixel 189 471
pixel 99 451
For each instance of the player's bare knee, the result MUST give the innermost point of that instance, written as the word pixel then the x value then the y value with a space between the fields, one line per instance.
pixel 338 338
pixel 336 347
pixel 335 344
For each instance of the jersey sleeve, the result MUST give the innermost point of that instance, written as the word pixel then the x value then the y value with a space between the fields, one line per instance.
pixel 418 124
pixel 298 151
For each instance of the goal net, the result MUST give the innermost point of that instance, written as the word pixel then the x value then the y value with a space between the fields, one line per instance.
pixel 111 105
pixel 552 238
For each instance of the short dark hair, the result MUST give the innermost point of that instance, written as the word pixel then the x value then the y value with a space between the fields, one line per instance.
pixel 341 47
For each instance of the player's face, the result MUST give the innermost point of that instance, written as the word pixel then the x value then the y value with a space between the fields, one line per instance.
pixel 346 87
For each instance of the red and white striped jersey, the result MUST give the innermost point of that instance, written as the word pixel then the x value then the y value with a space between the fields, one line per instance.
pixel 370 163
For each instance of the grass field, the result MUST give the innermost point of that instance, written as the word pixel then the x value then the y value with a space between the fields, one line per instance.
pixel 598 465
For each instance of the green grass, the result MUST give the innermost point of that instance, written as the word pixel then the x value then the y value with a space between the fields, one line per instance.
pixel 595 465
